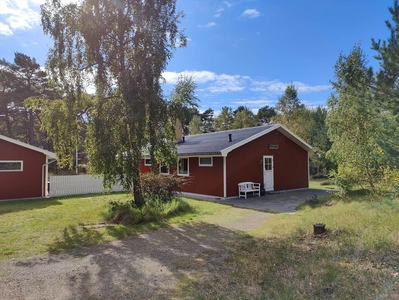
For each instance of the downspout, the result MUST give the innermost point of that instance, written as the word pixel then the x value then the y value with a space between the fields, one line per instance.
pixel 224 177
pixel 44 188
pixel 308 171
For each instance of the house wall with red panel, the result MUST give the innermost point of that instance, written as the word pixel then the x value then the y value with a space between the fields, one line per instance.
pixel 245 163
pixel 26 183
pixel 203 179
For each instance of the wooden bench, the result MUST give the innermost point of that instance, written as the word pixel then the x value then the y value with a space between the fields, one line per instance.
pixel 248 187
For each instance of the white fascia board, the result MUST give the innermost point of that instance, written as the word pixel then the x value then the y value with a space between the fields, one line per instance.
pixel 226 151
pixel 37 149
pixel 293 137
pixel 296 139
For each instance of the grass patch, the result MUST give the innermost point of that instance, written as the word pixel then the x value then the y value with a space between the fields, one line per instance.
pixel 29 227
pixel 322 183
pixel 284 260
pixel 358 258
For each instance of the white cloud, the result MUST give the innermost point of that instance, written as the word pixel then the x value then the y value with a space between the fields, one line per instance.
pixel 20 14
pixel 254 103
pixel 227 83
pixel 276 87
pixel 219 12
pixel 250 13
pixel 5 29
pixel 200 77
pixel 304 88
pixel 228 4
pixel 209 25
pixel 216 83
pixel 212 83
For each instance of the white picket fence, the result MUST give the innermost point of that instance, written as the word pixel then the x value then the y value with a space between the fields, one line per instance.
pixel 78 184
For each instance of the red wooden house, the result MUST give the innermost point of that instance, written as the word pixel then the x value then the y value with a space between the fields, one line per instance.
pixel 23 169
pixel 216 162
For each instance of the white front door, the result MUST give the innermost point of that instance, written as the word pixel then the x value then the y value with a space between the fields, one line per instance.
pixel 268 178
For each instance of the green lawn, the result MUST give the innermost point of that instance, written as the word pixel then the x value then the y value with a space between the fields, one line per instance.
pixel 29 227
pixel 322 184
pixel 358 258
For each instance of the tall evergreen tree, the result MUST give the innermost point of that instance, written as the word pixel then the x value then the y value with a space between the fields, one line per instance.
pixel 224 120
pixel 265 114
pixel 19 80
pixel 243 118
pixel 289 109
pixel 207 120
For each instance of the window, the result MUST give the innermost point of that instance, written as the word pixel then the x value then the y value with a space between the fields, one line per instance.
pixel 183 167
pixel 11 165
pixel 268 163
pixel 164 169
pixel 147 161
pixel 205 162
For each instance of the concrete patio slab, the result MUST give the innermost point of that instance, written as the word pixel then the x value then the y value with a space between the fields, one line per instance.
pixel 278 202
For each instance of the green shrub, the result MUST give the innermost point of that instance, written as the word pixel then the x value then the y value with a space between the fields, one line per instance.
pixel 153 211
pixel 123 212
pixel 161 188
pixel 161 201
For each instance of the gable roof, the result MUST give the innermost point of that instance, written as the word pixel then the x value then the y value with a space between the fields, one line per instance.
pixel 217 143
pixel 37 149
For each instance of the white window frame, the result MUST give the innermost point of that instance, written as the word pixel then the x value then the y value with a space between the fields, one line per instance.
pixel 160 168
pixel 145 162
pixel 205 165
pixel 13 161
pixel 188 167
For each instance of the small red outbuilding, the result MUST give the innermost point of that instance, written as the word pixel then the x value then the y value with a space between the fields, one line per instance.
pixel 216 162
pixel 23 170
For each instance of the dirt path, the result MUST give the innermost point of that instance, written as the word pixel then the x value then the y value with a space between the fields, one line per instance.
pixel 150 266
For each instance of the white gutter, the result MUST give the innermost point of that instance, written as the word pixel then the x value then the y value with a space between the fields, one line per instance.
pixel 45 188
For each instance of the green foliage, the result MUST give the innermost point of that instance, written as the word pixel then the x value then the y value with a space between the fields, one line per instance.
pixel 309 124
pixel 354 123
pixel 389 182
pixel 224 120
pixel 127 213
pixel 65 124
pixel 160 196
pixel 125 48
pixel 207 120
pixel 243 118
pixel 183 101
pixel 194 127
pixel 265 114
pixel 161 188
pixel 289 108
pixel 19 80
pixel 387 78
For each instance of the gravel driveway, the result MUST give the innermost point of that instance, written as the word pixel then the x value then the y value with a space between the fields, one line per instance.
pixel 149 266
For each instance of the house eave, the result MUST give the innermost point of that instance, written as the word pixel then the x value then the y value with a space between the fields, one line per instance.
pixel 34 148
pixel 195 154
pixel 297 140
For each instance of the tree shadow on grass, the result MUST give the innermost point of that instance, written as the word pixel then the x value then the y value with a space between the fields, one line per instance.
pixel 29 204
pixel 201 261
pixel 76 237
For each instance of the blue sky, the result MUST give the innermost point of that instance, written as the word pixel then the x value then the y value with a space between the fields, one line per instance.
pixel 241 52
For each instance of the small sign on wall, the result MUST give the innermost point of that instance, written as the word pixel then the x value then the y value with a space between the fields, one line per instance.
pixel 273 147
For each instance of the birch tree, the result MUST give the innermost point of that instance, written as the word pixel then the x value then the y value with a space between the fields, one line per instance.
pixel 122 48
